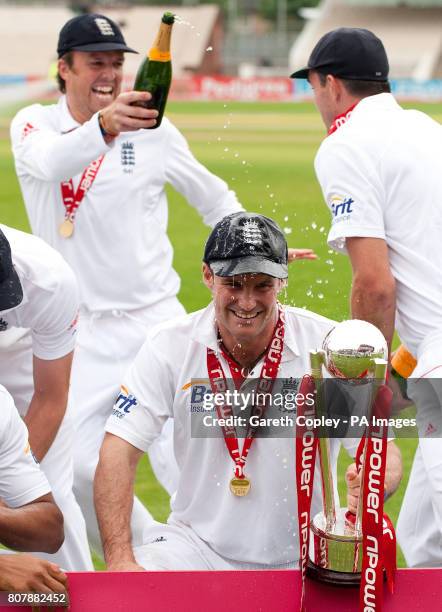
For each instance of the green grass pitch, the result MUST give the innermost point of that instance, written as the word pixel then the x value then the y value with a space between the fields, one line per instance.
pixel 265 152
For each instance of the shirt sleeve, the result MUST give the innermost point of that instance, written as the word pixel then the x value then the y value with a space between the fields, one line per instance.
pixel 146 398
pixel 55 326
pixel 208 193
pixel 353 192
pixel 43 153
pixel 21 479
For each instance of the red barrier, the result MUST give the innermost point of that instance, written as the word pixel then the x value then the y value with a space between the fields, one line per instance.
pixel 247 591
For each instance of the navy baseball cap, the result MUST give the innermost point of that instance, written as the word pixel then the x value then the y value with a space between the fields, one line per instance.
pixel 11 291
pixel 247 243
pixel 91 32
pixel 348 53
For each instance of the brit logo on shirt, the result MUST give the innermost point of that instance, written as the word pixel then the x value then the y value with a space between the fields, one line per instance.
pixel 3 325
pixel 341 208
pixel 124 403
pixel 128 157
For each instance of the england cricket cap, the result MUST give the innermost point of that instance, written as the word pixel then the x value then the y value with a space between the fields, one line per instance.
pixel 247 243
pixel 91 32
pixel 11 292
pixel 348 53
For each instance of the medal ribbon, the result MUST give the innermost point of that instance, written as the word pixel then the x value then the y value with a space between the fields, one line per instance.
pixel 71 199
pixel 306 446
pixel 269 371
pixel 340 120
pixel 378 537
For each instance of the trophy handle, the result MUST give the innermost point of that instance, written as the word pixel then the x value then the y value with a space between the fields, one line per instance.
pixel 380 374
pixel 328 494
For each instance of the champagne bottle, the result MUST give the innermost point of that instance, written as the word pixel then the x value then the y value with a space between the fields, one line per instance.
pixel 155 73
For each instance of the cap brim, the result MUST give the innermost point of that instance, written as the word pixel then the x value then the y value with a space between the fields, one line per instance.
pixel 300 74
pixel 249 265
pixel 103 46
pixel 11 292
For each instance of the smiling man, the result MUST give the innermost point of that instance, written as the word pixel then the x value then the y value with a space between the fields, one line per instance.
pixel 94 186
pixel 235 506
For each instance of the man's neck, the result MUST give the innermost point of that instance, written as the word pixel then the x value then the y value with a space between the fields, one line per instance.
pixel 247 354
pixel 76 113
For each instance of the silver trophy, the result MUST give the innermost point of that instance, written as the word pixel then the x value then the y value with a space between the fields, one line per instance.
pixel 356 352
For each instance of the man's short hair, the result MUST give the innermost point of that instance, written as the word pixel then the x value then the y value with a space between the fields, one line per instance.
pixel 361 89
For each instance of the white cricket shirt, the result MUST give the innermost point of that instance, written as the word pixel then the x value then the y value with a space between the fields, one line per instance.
pixel 120 250
pixel 258 528
pixel 380 174
pixel 49 309
pixel 21 480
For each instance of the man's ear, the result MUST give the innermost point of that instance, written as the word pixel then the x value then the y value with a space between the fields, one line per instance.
pixel 62 68
pixel 336 88
pixel 208 278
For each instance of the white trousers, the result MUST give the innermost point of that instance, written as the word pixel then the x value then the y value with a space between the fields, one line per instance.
pixel 107 344
pixel 176 546
pixel 419 528
pixel 16 375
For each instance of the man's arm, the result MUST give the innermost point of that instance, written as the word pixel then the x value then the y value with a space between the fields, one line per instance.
pixel 42 152
pixel 207 193
pixel 37 526
pixel 393 477
pixel 113 497
pixel 48 404
pixel 373 293
pixel 27 574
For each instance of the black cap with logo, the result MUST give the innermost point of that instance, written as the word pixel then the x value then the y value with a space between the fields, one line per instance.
pixel 11 292
pixel 247 243
pixel 91 32
pixel 348 53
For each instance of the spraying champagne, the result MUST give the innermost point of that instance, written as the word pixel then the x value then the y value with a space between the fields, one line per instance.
pixel 155 73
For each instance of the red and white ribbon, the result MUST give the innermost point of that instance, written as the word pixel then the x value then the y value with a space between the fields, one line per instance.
pixel 218 383
pixel 71 199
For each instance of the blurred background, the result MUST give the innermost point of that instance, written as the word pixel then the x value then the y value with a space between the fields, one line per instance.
pixel 230 49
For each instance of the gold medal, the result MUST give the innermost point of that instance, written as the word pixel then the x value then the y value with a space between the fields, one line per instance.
pixel 66 229
pixel 240 486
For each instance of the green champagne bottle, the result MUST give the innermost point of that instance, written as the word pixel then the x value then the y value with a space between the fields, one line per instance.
pixel 155 73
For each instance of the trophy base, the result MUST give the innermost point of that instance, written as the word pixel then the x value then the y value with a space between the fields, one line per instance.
pixel 335 551
pixel 341 579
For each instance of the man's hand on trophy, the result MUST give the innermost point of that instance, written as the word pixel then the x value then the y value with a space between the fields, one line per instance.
pixel 353 480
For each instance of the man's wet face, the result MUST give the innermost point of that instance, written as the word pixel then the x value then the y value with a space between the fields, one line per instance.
pixel 246 304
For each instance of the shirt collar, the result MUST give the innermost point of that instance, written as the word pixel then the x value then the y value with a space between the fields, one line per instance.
pixel 67 122
pixel 382 101
pixel 204 332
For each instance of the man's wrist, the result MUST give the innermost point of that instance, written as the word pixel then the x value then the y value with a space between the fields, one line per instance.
pixel 103 129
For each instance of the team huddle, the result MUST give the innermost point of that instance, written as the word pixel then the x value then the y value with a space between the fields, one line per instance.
pixel 97 354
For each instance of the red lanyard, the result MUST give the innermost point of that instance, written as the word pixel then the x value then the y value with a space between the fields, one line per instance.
pixel 378 540
pixel 72 200
pixel 267 377
pixel 378 536
pixel 340 120
pixel 306 446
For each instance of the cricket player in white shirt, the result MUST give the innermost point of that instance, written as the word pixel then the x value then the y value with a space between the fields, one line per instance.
pixel 29 518
pixel 379 169
pixel 38 315
pixel 211 526
pixel 93 183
